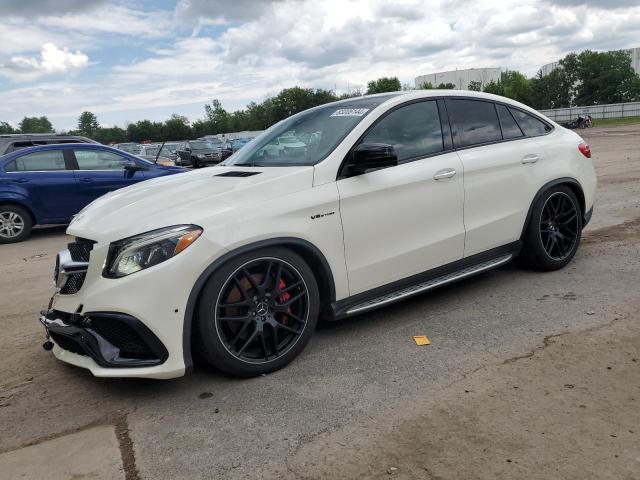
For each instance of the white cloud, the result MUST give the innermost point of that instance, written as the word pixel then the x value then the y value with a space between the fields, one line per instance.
pixel 246 49
pixel 52 60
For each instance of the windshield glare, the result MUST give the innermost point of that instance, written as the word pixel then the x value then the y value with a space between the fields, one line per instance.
pixel 305 138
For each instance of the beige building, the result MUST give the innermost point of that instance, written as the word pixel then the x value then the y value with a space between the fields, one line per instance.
pixel 461 78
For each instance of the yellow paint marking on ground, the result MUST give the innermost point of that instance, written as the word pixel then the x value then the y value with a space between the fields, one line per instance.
pixel 421 340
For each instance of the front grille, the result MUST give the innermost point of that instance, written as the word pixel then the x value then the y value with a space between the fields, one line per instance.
pixel 67 343
pixel 123 337
pixel 80 251
pixel 74 284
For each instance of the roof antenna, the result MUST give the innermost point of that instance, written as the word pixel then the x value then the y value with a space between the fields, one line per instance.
pixel 159 150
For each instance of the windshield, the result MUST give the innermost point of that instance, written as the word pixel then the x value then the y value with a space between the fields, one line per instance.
pixel 151 151
pixel 306 138
pixel 202 145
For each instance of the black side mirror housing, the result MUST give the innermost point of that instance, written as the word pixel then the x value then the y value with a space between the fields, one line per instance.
pixel 132 166
pixel 370 156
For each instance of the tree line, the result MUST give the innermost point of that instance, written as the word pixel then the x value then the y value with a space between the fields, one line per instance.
pixel 588 78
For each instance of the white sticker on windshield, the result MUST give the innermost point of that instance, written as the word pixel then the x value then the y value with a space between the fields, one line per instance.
pixel 350 112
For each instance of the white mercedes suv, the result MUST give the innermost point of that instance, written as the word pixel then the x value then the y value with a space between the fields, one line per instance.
pixel 335 211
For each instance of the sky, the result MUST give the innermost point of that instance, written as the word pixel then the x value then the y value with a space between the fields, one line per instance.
pixel 130 60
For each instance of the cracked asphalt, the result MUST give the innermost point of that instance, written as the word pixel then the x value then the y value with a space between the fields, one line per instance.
pixel 529 375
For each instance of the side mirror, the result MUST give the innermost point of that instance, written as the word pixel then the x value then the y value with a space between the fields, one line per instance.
pixel 370 156
pixel 132 166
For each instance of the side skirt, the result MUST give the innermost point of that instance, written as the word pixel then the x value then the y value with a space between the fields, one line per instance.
pixel 422 282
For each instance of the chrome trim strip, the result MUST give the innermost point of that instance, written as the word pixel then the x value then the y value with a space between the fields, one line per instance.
pixel 429 284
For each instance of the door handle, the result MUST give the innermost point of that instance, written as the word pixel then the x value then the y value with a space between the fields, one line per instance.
pixel 86 180
pixel 531 158
pixel 444 174
pixel 19 180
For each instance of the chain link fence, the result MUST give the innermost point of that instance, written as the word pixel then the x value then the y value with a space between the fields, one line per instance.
pixel 613 110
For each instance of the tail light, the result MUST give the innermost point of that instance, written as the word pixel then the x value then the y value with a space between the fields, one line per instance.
pixel 585 149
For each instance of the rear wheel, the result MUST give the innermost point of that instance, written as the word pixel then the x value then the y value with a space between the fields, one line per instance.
pixel 258 312
pixel 15 224
pixel 553 234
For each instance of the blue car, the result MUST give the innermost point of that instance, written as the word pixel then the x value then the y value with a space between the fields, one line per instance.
pixel 49 184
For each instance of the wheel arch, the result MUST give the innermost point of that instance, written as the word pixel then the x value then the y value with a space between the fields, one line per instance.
pixel 575 187
pixel 18 203
pixel 309 252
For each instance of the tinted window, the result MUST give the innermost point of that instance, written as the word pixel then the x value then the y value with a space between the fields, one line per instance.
pixel 97 160
pixel 414 131
pixel 40 161
pixel 509 126
pixel 529 124
pixel 474 122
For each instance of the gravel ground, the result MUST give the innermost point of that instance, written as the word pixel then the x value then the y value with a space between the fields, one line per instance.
pixel 515 384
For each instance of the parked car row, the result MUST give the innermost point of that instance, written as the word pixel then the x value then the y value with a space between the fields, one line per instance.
pixel 203 152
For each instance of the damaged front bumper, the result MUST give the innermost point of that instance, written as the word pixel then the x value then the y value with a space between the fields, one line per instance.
pixel 112 340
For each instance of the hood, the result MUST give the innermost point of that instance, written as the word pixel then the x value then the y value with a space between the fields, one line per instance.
pixel 193 197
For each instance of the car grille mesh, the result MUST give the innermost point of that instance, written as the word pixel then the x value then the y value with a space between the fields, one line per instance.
pixel 80 251
pixel 123 337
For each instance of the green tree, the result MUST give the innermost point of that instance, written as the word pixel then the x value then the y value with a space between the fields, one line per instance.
pixel 36 125
pixel 516 86
pixel 6 128
pixel 217 116
pixel 474 86
pixel 144 130
pixel 446 86
pixel 425 86
pixel 604 77
pixel 88 124
pixel 110 135
pixel 384 84
pixel 551 91
pixel 494 87
pixel 176 128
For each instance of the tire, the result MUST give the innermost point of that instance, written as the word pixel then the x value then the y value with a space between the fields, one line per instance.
pixel 15 224
pixel 257 312
pixel 553 234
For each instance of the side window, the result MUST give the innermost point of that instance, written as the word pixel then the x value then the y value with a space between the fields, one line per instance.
pixel 510 128
pixel 99 160
pixel 474 122
pixel 414 131
pixel 40 161
pixel 10 167
pixel 529 124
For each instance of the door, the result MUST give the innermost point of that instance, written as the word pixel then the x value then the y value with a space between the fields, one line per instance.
pixel 44 179
pixel 406 219
pixel 101 171
pixel 498 158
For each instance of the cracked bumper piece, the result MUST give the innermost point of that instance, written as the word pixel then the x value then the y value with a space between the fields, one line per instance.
pixel 108 340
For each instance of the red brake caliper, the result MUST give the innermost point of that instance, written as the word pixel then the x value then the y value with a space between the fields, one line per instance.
pixel 284 297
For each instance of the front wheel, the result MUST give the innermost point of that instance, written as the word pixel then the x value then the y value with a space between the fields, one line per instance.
pixel 15 224
pixel 553 234
pixel 258 312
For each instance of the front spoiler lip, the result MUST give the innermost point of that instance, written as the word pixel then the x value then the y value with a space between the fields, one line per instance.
pixel 94 345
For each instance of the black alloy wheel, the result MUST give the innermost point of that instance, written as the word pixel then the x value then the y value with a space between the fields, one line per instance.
pixel 257 312
pixel 559 225
pixel 553 233
pixel 262 310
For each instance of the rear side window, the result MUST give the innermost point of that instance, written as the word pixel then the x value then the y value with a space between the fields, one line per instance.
pixel 474 122
pixel 98 160
pixel 40 161
pixel 509 126
pixel 414 131
pixel 529 124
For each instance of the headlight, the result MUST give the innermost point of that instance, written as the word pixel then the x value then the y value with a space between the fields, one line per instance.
pixel 148 249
